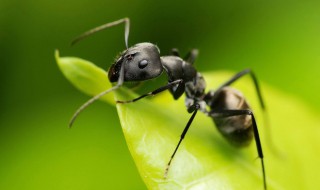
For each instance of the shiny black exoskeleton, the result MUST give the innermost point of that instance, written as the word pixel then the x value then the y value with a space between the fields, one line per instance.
pixel 225 105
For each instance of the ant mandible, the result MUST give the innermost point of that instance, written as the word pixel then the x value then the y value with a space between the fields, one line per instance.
pixel 228 108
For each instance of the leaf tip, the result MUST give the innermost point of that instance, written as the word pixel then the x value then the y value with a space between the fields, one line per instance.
pixel 57 56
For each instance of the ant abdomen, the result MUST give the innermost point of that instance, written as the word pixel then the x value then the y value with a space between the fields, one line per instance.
pixel 236 129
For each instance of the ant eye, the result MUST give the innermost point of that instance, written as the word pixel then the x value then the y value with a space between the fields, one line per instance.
pixel 143 64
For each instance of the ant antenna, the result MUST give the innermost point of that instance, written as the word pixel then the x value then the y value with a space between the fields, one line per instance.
pixel 121 75
pixel 104 26
pixel 96 97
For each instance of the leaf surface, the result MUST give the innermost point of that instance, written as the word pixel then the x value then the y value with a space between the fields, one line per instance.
pixel 152 128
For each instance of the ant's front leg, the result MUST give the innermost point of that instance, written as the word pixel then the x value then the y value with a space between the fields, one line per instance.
pixel 152 93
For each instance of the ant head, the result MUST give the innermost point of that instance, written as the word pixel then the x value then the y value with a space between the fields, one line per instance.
pixel 140 62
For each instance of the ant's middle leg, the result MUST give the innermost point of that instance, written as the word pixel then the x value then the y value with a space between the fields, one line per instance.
pixel 191 56
pixel 193 109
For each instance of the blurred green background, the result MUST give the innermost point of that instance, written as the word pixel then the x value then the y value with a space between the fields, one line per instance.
pixel 279 40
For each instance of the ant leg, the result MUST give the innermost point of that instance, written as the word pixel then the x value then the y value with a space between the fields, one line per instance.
pixel 229 113
pixel 195 107
pixel 255 81
pixel 175 52
pixel 262 104
pixel 161 89
pixel 191 56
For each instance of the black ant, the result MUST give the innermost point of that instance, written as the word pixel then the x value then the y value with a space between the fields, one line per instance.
pixel 228 108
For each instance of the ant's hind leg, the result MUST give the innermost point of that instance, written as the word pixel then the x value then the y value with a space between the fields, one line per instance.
pixel 235 78
pixel 230 113
pixel 255 81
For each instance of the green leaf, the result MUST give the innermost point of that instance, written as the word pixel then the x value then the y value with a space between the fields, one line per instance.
pixel 85 76
pixel 152 128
